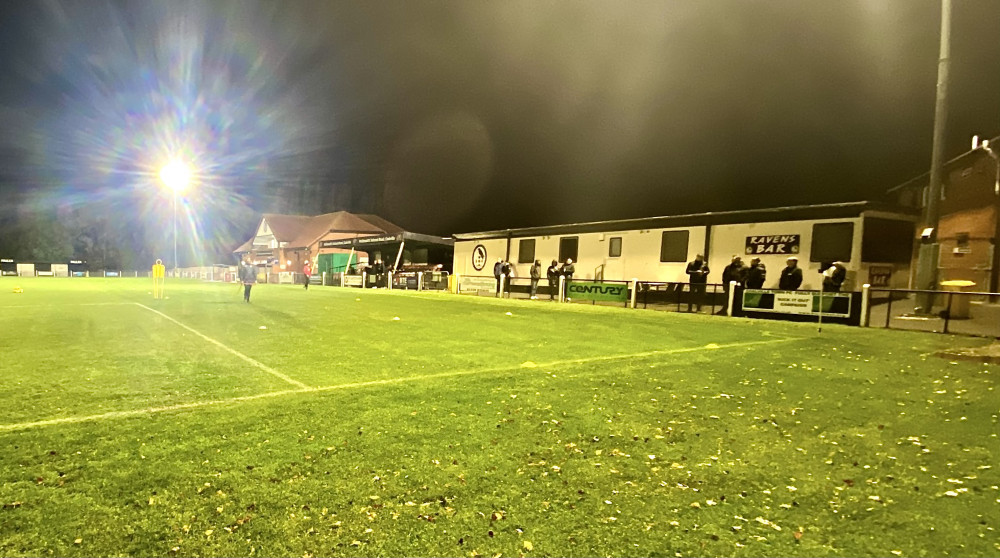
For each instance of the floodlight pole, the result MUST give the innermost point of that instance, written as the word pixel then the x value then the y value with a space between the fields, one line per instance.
pixel 927 258
pixel 175 235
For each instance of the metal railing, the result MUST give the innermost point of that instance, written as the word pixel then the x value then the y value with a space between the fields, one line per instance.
pixel 954 312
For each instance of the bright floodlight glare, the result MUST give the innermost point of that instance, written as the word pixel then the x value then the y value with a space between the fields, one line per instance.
pixel 176 175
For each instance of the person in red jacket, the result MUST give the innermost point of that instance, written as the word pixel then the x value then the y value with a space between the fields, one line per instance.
pixel 307 271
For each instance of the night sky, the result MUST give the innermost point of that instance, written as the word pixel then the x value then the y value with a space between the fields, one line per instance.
pixel 455 116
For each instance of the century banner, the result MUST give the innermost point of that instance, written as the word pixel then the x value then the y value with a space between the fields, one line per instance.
pixel 797 302
pixel 773 244
pixel 598 290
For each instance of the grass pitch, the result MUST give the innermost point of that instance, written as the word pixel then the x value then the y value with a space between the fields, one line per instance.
pixel 465 427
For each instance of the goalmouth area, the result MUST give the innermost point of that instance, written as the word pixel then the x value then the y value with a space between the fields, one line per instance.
pixel 370 422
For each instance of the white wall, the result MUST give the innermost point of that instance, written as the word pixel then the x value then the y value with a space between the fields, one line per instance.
pixel 640 255
pixel 729 240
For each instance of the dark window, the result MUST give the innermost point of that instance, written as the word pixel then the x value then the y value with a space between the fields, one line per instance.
pixel 568 247
pixel 887 241
pixel 674 246
pixel 615 247
pixel 831 242
pixel 526 250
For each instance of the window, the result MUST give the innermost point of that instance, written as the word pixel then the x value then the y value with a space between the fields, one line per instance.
pixel 831 242
pixel 526 250
pixel 674 246
pixel 887 241
pixel 568 247
pixel 615 247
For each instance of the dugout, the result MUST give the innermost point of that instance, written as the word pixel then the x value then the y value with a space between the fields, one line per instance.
pixel 404 251
pixel 8 267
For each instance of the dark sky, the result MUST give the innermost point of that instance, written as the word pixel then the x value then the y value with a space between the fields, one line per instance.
pixel 453 116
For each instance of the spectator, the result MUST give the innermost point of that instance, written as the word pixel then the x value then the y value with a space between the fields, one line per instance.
pixel 567 271
pixel 507 272
pixel 791 276
pixel 734 272
pixel 497 272
pixel 307 272
pixel 536 274
pixel 697 270
pixel 552 274
pixel 756 274
pixel 248 276
pixel 834 277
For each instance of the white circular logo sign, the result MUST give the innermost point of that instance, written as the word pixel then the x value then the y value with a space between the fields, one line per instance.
pixel 479 257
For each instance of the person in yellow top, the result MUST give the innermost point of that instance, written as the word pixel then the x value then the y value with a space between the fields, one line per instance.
pixel 159 272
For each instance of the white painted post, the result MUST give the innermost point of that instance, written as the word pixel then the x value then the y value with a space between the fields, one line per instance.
pixel 562 284
pixel 819 329
pixel 865 304
pixel 732 297
pixel 324 278
pixel 388 280
pixel 635 287
pixel 503 285
pixel 364 279
pixel 457 283
pixel 420 281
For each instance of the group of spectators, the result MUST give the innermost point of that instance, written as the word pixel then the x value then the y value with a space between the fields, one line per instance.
pixel 754 276
pixel 503 269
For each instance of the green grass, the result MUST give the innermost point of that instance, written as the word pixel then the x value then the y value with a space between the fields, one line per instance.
pixel 460 430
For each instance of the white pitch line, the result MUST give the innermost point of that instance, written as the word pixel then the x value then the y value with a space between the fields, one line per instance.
pixel 65 305
pixel 256 363
pixel 469 372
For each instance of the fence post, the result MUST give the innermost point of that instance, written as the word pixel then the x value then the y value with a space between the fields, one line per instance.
pixel 865 304
pixel 731 298
pixel 947 314
pixel 562 282
pixel 635 287
pixel 388 280
pixel 420 281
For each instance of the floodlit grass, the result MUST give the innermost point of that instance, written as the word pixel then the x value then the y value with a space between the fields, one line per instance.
pixel 557 430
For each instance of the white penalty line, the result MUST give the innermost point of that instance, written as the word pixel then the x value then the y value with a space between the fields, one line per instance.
pixel 389 381
pixel 258 364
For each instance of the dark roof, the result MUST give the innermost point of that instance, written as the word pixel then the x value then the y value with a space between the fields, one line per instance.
pixel 299 231
pixel 924 178
pixel 791 213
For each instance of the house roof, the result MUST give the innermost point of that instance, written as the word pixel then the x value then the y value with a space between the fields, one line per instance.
pixel 922 180
pixel 299 231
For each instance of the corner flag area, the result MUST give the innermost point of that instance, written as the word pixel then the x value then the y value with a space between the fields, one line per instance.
pixel 369 422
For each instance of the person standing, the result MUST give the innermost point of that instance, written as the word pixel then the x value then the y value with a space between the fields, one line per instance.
pixel 834 277
pixel 791 276
pixel 756 274
pixel 248 276
pixel 697 271
pixel 507 271
pixel 552 274
pixel 734 272
pixel 497 272
pixel 567 271
pixel 536 274
pixel 307 272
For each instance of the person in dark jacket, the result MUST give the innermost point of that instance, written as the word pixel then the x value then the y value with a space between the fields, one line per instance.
pixel 497 272
pixel 552 274
pixel 248 276
pixel 536 274
pixel 791 276
pixel 756 274
pixel 378 269
pixel 697 271
pixel 507 271
pixel 834 277
pixel 734 272
pixel 567 271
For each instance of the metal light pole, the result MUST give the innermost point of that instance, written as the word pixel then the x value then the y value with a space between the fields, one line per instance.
pixel 175 234
pixel 176 175
pixel 927 258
